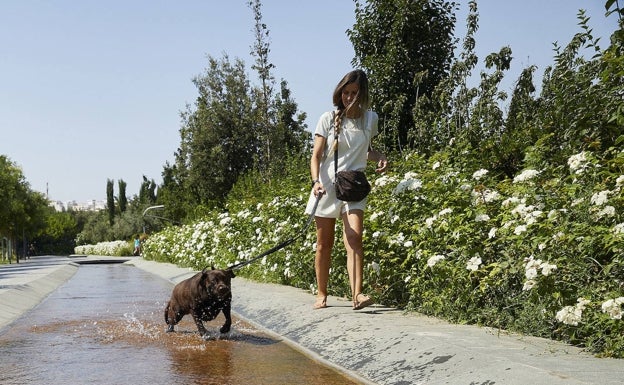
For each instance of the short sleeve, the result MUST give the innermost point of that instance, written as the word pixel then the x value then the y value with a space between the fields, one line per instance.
pixel 324 125
pixel 374 121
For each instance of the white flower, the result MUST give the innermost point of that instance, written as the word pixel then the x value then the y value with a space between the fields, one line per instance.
pixel 383 180
pixel 525 175
pixel 528 285
pixel 477 175
pixel 570 315
pixel 431 262
pixel 547 268
pixel 530 273
pixel 375 215
pixel 618 229
pixel 482 218
pixel 520 229
pixel 407 184
pixel 435 165
pixel 607 211
pixel 408 244
pixel 512 201
pixel 225 221
pixel 429 221
pixel 490 196
pixel 485 196
pixel 581 303
pixel 473 264
pixel 613 307
pixel 578 163
pixel 600 198
pixel 492 233
pixel 256 219
pixel 376 234
pixel 445 211
pixel 619 181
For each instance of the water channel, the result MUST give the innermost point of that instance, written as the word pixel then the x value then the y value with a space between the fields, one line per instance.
pixel 106 326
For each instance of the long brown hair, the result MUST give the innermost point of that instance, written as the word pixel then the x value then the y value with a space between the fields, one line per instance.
pixel 362 99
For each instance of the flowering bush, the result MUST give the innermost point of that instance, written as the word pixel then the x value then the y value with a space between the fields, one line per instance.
pixel 114 248
pixel 538 253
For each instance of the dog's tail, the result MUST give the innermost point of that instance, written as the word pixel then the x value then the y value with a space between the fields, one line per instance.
pixel 167 312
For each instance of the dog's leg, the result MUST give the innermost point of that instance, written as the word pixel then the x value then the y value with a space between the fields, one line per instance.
pixel 200 325
pixel 228 319
pixel 169 320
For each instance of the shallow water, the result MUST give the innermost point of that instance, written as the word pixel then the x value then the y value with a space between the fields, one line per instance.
pixel 106 326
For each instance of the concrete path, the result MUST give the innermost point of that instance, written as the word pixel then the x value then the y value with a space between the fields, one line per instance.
pixel 377 345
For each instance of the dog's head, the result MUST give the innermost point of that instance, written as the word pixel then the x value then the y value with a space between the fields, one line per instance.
pixel 218 282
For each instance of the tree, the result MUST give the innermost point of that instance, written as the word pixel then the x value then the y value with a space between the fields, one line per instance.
pixel 264 94
pixel 123 201
pixel 218 142
pixel 233 129
pixel 23 212
pixel 110 201
pixel 415 36
pixel 147 192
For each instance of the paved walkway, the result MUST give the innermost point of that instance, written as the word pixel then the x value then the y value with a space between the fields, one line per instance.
pixel 377 345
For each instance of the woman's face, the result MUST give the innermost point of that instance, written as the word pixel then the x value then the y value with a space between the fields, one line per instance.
pixel 349 94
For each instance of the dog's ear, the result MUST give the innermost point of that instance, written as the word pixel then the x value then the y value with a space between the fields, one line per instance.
pixel 231 273
pixel 212 267
pixel 203 279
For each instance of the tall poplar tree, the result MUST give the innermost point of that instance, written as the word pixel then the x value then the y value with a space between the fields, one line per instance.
pixel 406 47
pixel 123 201
pixel 110 200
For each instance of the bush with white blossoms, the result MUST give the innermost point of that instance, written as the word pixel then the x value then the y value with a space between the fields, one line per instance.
pixel 112 248
pixel 572 315
pixel 449 242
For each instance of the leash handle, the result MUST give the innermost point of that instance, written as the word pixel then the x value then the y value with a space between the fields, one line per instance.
pixel 283 244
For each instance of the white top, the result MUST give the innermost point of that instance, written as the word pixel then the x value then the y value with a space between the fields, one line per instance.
pixel 353 143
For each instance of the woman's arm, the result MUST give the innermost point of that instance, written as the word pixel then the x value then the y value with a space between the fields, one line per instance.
pixel 315 163
pixel 376 156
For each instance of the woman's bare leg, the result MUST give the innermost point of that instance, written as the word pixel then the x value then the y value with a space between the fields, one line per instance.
pixel 325 231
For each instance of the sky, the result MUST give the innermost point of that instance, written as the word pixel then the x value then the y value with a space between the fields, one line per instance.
pixel 92 90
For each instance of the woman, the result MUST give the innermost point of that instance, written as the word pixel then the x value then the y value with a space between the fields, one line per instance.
pixel 356 125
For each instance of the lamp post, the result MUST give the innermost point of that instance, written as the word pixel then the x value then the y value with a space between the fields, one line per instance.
pixel 148 209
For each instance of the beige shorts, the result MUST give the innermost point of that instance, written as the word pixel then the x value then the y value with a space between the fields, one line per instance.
pixel 331 207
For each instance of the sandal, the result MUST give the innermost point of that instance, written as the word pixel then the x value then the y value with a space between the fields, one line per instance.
pixel 366 301
pixel 321 303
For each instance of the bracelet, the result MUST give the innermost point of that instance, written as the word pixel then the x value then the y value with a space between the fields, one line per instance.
pixel 315 181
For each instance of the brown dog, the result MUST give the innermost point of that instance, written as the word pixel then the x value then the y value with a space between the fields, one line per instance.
pixel 203 296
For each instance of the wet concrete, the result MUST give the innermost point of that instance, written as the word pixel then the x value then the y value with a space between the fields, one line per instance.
pixel 106 326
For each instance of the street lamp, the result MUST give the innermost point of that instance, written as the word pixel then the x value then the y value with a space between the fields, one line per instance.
pixel 148 209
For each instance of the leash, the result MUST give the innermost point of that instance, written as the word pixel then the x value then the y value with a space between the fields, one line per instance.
pixel 282 244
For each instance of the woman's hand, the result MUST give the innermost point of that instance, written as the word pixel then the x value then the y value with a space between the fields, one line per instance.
pixel 382 164
pixel 318 189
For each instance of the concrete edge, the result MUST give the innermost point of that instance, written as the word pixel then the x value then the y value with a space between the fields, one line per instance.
pixel 173 275
pixel 33 293
pixel 308 352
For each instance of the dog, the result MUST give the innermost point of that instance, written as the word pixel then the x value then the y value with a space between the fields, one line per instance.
pixel 203 296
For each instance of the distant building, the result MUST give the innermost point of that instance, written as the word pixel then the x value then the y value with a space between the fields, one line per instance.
pixel 93 205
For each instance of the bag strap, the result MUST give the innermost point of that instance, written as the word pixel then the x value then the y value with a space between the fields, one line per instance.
pixel 336 144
